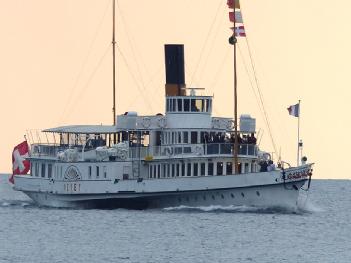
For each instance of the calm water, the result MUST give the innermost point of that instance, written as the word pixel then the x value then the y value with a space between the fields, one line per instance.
pixel 321 232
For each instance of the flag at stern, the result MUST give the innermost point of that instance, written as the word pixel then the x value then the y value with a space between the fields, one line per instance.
pixel 19 163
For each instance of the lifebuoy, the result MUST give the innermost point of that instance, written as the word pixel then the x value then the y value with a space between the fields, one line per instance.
pixel 168 151
pixel 215 123
pixel 230 124
pixel 146 122
pixel 162 122
pixel 198 150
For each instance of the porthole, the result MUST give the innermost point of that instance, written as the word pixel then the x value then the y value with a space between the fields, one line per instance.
pixel 242 194
pixel 232 195
pixel 258 193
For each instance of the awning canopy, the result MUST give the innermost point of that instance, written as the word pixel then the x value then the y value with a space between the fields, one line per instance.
pixel 84 129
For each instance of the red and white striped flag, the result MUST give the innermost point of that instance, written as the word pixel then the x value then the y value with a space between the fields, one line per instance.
pixel 239 31
pixel 238 17
pixel 230 4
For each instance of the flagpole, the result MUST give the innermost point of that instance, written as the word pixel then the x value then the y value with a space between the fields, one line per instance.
pixel 114 68
pixel 298 134
pixel 114 65
pixel 236 148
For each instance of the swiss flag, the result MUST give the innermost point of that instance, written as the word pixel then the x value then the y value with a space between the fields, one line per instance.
pixel 19 163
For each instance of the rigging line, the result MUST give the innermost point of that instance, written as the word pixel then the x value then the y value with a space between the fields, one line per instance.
pixel 85 61
pixel 211 46
pixel 82 92
pixel 134 78
pixel 217 75
pixel 131 44
pixel 219 70
pixel 258 88
pixel 155 90
pixel 206 40
pixel 250 80
pixel 261 96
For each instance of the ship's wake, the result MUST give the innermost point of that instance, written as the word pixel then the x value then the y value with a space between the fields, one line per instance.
pixel 244 209
pixel 17 203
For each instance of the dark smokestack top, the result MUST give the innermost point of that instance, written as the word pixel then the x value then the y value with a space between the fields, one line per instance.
pixel 174 60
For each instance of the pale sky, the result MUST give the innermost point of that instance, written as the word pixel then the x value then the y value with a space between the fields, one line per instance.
pixel 55 67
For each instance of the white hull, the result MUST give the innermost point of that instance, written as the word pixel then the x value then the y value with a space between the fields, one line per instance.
pixel 258 196
pixel 255 189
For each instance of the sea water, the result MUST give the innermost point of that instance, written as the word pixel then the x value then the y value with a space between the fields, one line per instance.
pixel 319 231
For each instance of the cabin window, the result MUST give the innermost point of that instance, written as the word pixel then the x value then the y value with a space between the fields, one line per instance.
pixel 203 169
pixel 163 170
pixel 173 169
pixel 188 172
pixel 167 105
pixel 193 105
pixel 168 170
pixel 158 171
pixel 97 171
pixel 31 169
pixel 36 170
pixel 180 105
pixel 207 105
pixel 199 105
pixel 210 169
pixel 150 171
pixel 179 137
pixel 183 169
pixel 186 105
pixel 173 137
pixel 170 105
pixel 43 170
pixel 174 105
pixel 185 137
pixel 89 172
pixel 229 168
pixel 49 170
pixel 246 168
pixel 105 172
pixel 219 168
pixel 177 169
pixel 193 137
pixel 195 167
pixel 154 171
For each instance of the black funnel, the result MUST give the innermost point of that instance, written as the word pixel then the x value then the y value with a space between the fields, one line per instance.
pixel 175 73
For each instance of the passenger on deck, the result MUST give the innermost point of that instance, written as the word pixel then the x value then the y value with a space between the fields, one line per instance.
pixel 263 166
pixel 251 139
pixel 232 139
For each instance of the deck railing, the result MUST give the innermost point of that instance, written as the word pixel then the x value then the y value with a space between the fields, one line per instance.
pixel 144 152
pixel 178 150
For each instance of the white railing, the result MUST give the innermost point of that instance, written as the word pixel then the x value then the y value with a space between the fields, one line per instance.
pixel 175 150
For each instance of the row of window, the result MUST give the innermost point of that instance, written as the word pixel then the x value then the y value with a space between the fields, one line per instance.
pixel 41 169
pixel 188 105
pixel 94 171
pixel 45 170
pixel 167 170
pixel 183 137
